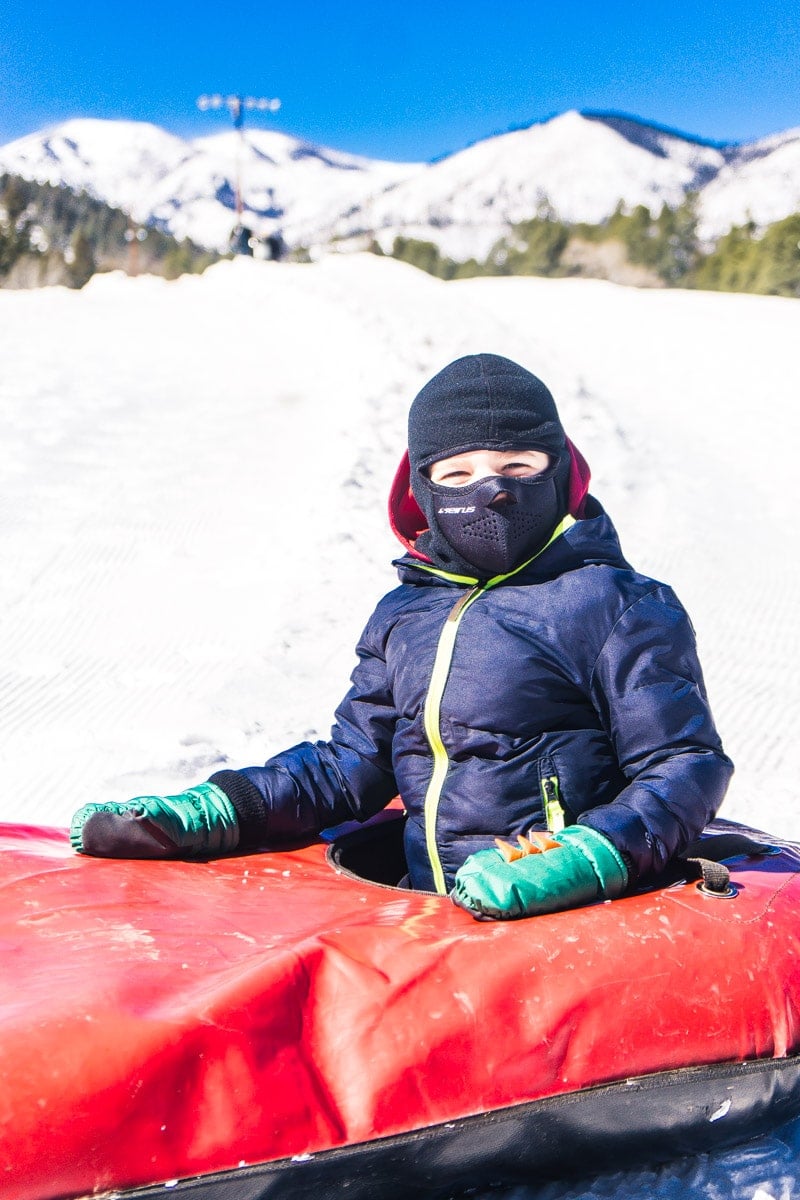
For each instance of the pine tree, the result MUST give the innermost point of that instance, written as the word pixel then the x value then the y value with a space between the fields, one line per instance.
pixel 731 266
pixel 58 254
pixel 13 226
pixel 678 246
pixel 81 264
pixel 778 266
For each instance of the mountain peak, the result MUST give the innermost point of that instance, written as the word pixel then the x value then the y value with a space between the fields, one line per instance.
pixel 577 165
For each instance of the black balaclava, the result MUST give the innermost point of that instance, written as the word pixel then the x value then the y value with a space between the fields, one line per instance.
pixel 485 402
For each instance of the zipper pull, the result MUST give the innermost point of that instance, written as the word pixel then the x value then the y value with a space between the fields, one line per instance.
pixel 553 808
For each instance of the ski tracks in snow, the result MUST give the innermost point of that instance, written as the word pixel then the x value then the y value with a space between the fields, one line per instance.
pixel 193 482
pixel 193 500
pixel 703 389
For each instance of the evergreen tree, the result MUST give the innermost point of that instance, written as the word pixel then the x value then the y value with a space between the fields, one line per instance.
pixel 13 226
pixel 15 199
pixel 178 260
pixel 425 255
pixel 730 267
pixel 638 232
pixel 535 248
pixel 679 249
pixel 667 244
pixel 778 259
pixel 745 260
pixel 81 264
pixel 76 235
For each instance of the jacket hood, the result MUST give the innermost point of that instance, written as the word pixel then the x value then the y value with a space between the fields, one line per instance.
pixel 408 521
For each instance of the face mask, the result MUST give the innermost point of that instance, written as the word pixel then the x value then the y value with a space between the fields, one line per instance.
pixel 497 523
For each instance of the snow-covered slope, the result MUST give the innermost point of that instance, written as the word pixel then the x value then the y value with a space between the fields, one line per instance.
pixel 286 184
pixel 193 532
pixel 578 166
pixel 760 183
pixel 117 161
pixel 193 478
pixel 189 187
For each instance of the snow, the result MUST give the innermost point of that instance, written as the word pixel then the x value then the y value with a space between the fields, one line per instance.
pixel 189 186
pixel 685 403
pixel 115 160
pixel 760 185
pixel 580 165
pixel 192 524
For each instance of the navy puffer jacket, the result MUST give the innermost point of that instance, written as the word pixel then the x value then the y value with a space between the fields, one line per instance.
pixel 574 679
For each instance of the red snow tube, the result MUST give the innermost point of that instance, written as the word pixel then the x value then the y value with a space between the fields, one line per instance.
pixel 274 1025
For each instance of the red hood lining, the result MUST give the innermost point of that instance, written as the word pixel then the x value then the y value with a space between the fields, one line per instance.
pixel 408 520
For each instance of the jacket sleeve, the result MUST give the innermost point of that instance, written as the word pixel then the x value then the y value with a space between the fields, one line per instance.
pixel 315 785
pixel 647 686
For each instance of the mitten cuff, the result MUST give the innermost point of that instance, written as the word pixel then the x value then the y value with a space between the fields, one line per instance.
pixel 604 858
pixel 248 804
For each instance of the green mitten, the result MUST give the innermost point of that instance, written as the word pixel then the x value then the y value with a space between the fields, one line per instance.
pixel 194 823
pixel 584 866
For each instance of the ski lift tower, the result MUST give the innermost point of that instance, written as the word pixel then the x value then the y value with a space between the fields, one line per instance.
pixel 237 106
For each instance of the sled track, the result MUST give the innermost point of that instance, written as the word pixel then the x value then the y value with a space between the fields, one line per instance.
pixel 160 553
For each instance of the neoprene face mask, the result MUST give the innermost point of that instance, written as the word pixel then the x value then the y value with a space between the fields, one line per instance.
pixel 497 523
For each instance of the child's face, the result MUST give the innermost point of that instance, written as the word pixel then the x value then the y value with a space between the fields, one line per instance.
pixel 462 469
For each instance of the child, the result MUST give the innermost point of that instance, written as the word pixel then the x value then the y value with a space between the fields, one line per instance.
pixel 522 677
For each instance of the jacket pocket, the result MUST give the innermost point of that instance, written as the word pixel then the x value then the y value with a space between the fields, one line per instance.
pixel 577 772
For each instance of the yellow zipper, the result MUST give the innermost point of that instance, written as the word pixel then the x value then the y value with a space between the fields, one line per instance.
pixel 433 700
pixel 433 709
pixel 553 808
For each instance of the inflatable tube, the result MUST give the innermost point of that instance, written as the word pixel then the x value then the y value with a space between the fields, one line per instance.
pixel 276 1025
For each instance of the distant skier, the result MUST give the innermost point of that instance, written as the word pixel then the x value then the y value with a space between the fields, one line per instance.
pixel 275 246
pixel 523 681
pixel 241 241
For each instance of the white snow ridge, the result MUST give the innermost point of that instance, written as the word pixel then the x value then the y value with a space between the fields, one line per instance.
pixel 189 187
pixel 192 523
pixel 579 166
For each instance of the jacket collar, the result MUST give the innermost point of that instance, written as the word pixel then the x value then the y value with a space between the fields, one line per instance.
pixel 592 540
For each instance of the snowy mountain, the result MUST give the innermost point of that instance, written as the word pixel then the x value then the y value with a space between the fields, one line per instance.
pixel 119 162
pixel 579 166
pixel 760 182
pixel 189 187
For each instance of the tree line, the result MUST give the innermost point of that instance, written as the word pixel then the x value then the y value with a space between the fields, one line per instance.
pixel 660 251
pixel 53 235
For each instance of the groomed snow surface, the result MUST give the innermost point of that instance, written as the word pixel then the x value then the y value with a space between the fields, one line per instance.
pixel 192 524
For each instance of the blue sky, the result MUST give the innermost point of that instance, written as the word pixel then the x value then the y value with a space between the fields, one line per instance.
pixel 404 81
